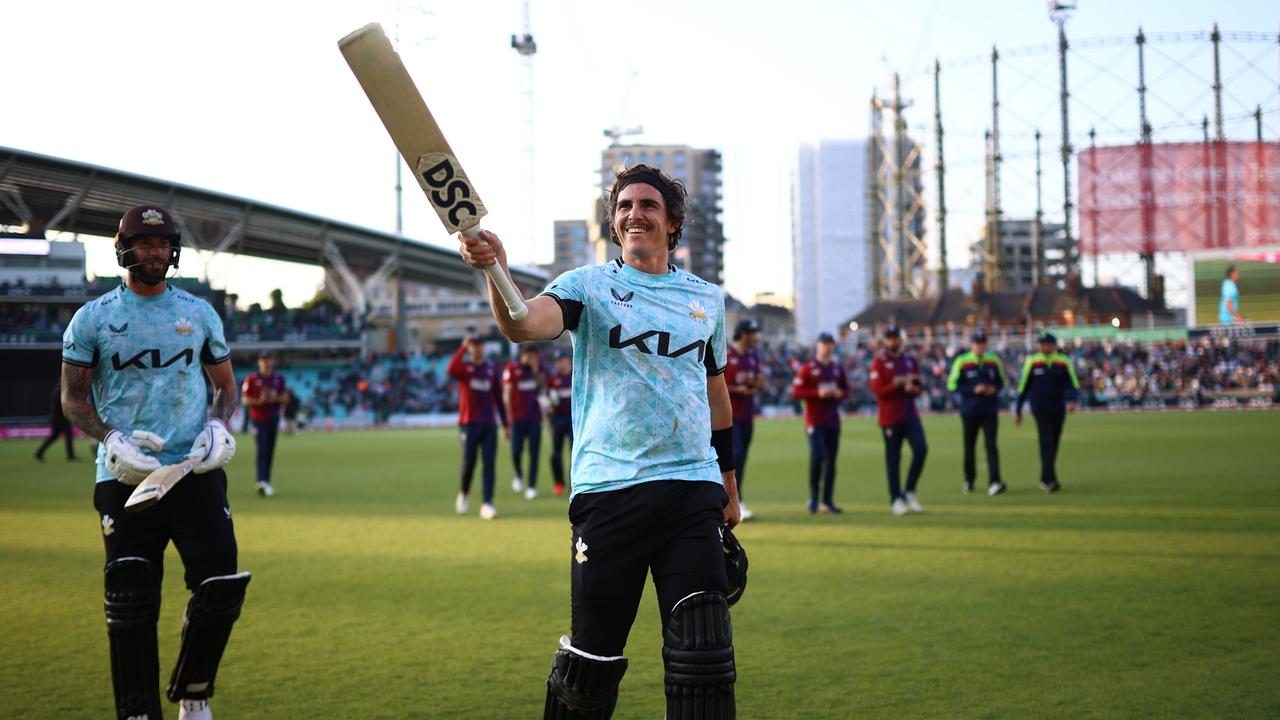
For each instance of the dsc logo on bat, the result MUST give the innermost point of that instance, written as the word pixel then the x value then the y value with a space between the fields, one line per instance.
pixel 449 190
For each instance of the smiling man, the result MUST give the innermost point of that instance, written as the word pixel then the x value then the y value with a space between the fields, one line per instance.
pixel 653 478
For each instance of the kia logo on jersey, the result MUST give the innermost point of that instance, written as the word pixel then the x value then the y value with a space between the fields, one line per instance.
pixel 664 343
pixel 150 360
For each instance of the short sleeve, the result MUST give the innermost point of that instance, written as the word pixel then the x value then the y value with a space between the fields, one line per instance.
pixel 570 293
pixel 215 340
pixel 80 340
pixel 717 351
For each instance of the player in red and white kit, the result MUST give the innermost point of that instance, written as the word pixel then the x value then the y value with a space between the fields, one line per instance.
pixel 559 386
pixel 895 379
pixel 264 395
pixel 479 407
pixel 521 384
pixel 745 379
pixel 822 383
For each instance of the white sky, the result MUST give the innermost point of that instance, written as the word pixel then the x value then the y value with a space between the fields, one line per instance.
pixel 254 99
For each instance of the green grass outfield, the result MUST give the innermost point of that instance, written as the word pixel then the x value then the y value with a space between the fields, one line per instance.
pixel 1148 588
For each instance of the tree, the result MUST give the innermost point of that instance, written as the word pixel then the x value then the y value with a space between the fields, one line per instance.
pixel 322 299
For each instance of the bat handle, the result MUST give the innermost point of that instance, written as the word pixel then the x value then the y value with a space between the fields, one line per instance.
pixel 510 295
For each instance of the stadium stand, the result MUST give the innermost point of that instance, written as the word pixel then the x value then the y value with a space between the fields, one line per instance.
pixel 1198 372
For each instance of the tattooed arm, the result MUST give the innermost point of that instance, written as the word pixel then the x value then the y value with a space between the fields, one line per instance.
pixel 77 385
pixel 225 393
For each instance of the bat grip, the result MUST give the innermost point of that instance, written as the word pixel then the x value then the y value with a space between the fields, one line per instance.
pixel 510 295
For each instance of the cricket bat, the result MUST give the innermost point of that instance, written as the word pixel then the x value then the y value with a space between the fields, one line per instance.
pixel 159 482
pixel 422 144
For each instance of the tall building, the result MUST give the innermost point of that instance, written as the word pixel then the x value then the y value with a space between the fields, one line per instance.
pixel 831 255
pixel 701 248
pixel 573 247
pixel 603 249
pixel 1017 258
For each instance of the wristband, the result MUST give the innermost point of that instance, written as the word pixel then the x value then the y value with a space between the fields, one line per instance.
pixel 722 441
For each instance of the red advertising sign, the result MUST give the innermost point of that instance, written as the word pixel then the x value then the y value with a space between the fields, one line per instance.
pixel 1179 197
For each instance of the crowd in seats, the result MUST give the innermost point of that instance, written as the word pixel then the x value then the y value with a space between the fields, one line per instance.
pixel 375 387
pixel 285 324
pixel 1110 373
pixel 23 323
pixel 1183 370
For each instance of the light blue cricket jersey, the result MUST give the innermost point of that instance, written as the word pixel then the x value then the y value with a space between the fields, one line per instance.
pixel 643 347
pixel 147 355
pixel 1232 293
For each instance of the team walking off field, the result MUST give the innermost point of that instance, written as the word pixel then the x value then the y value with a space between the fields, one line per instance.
pixel 655 407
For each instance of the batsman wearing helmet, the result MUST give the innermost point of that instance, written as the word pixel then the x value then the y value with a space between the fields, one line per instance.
pixel 132 378
pixel 653 476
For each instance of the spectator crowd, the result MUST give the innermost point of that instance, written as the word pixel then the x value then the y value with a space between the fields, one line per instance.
pixel 1111 374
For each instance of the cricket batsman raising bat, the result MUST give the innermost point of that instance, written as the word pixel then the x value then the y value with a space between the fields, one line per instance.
pixel 422 144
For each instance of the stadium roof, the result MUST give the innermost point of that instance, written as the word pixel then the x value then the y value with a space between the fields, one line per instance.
pixel 48 193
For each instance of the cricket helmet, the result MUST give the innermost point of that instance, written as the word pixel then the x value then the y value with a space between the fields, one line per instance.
pixel 146 221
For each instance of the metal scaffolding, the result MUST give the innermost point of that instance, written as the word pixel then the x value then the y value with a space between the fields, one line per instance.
pixel 896 188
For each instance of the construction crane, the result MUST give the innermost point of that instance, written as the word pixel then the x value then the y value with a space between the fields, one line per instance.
pixel 524 44
pixel 617 132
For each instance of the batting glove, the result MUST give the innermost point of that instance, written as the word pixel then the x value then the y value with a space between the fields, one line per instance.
pixel 125 457
pixel 215 445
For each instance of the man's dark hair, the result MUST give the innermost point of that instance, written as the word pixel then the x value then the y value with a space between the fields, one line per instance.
pixel 673 194
pixel 1230 269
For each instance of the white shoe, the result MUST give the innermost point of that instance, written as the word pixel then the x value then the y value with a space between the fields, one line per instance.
pixel 899 507
pixel 265 489
pixel 746 514
pixel 517 484
pixel 913 502
pixel 488 512
pixel 460 505
pixel 530 494
pixel 194 710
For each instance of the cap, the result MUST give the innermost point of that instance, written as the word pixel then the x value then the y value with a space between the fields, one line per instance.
pixel 146 220
pixel 564 354
pixel 892 331
pixel 529 349
pixel 1047 337
pixel 979 335
pixel 266 354
pixel 744 326
pixel 826 337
